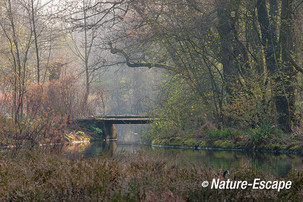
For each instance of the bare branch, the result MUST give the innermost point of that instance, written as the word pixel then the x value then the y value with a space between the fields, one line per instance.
pixel 292 61
pixel 138 64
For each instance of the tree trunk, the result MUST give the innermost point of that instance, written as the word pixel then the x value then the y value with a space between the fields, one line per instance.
pixel 271 49
pixel 287 47
pixel 36 40
pixel 226 37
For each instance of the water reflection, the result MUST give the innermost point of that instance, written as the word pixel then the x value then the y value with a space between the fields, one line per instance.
pixel 278 164
pixel 106 148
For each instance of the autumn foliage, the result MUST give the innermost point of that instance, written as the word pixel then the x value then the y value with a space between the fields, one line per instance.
pixel 47 111
pixel 59 97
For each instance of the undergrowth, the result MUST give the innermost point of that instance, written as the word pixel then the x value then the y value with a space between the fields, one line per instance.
pixel 263 137
pixel 39 175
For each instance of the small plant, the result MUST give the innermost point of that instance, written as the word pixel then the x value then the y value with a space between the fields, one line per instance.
pixel 96 130
pixel 81 133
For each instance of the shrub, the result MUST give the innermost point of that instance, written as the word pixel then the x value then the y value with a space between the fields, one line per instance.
pixel 60 97
pixel 30 132
pixel 221 133
pixel 97 130
pixel 263 132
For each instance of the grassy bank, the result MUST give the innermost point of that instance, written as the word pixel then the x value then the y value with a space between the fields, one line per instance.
pixel 261 138
pixel 40 175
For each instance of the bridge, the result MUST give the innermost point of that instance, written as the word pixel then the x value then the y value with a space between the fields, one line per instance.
pixel 107 123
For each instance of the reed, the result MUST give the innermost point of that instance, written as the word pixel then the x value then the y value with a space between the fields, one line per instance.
pixel 48 174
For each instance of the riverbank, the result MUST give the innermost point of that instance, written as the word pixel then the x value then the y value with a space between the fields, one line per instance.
pixel 76 132
pixel 231 139
pixel 44 175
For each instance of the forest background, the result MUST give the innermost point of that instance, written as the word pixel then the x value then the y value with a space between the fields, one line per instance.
pixel 209 65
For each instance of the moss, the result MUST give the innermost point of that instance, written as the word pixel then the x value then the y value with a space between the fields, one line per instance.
pixel 176 141
pixel 191 142
pixel 224 144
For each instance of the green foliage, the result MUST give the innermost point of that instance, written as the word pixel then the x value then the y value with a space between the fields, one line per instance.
pixel 225 73
pixel 180 110
pixel 263 132
pixel 222 133
pixel 250 105
pixel 203 144
pixel 97 130
pixel 78 136
pixel 81 133
pixel 224 144
pixel 264 136
pixel 148 137
pixel 177 141
pixel 191 142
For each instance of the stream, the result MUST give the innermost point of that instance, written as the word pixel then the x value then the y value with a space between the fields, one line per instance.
pixel 278 164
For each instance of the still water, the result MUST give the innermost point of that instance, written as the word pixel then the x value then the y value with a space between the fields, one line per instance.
pixel 278 164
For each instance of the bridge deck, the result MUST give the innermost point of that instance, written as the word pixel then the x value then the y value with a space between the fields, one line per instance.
pixel 120 119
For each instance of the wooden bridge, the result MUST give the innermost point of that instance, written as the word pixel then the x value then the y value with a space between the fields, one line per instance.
pixel 107 123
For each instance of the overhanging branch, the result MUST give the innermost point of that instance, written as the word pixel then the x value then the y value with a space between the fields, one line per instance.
pixel 138 64
pixel 292 61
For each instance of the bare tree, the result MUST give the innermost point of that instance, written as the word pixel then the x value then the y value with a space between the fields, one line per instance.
pixel 88 24
pixel 19 45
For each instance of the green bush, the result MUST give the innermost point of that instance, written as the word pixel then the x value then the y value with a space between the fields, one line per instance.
pixel 97 130
pixel 263 132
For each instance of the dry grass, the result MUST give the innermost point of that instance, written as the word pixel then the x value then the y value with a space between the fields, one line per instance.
pixel 52 176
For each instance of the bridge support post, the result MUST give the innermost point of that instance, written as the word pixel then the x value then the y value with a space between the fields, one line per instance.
pixel 110 131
